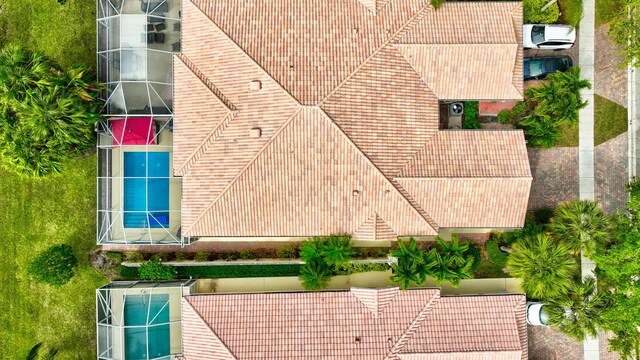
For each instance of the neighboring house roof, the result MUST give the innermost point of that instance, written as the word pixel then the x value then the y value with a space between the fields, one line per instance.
pixel 356 324
pixel 309 128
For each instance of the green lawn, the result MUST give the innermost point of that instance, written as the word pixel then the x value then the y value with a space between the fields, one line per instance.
pixel 35 214
pixel 570 12
pixel 66 33
pixel 607 10
pixel 610 120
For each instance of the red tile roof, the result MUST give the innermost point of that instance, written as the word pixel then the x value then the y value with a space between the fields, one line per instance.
pixel 310 127
pixel 356 324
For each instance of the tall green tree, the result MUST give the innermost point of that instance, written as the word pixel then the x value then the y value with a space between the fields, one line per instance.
pixel 580 312
pixel 545 266
pixel 48 113
pixel 581 224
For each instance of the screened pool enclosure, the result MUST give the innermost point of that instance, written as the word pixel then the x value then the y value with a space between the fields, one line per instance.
pixel 140 320
pixel 138 197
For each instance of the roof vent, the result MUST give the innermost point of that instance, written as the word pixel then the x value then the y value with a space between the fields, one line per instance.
pixel 355 31
pixel 255 85
pixel 357 340
pixel 255 133
pixel 356 192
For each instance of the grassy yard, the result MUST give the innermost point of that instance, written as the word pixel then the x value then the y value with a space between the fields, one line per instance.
pixel 610 121
pixel 570 12
pixel 35 214
pixel 64 32
pixel 607 10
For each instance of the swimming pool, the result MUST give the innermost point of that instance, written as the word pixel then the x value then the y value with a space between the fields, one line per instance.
pixel 136 308
pixel 146 189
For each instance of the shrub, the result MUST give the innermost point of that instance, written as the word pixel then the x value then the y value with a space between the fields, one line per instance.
pixel 287 252
pixel 534 15
pixel 471 112
pixel 54 266
pixel 371 252
pixel 133 257
pixel 543 215
pixel 542 130
pixel 436 3
pixel 474 251
pixel 514 115
pixel 238 271
pixel 154 270
pixel 201 256
pixel 180 256
pixel 497 256
pixel 161 256
pixel 355 268
pixel 231 256
pixel 113 256
pixel 247 254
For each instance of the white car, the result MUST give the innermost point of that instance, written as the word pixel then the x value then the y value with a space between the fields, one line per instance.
pixel 548 37
pixel 536 315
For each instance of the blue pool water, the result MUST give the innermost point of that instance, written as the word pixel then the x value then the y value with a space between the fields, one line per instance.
pixel 140 188
pixel 136 308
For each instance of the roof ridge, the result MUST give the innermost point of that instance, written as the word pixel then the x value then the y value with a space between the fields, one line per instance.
pixel 413 327
pixel 462 177
pixel 215 336
pixel 373 299
pixel 412 203
pixel 244 168
pixel 514 80
pixel 206 82
pixel 205 144
pixel 244 53
pixel 414 19
pixel 520 314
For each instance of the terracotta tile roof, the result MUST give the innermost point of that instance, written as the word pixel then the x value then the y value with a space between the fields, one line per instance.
pixel 459 153
pixel 309 168
pixel 487 59
pixel 467 71
pixel 241 96
pixel 472 355
pixel 344 324
pixel 472 202
pixel 386 109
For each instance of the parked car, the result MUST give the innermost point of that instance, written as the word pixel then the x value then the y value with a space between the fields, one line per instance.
pixel 536 315
pixel 548 37
pixel 539 67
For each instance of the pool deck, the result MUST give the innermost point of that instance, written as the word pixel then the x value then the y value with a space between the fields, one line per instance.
pixel 118 231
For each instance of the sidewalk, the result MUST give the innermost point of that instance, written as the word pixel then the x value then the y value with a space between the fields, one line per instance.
pixel 586 171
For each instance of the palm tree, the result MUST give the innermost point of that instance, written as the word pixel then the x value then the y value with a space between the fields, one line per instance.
pixel 579 313
pixel 581 224
pixel 544 266
pixel 445 269
pixel 542 130
pixel 311 249
pixel 20 71
pixel 450 264
pixel 411 264
pixel 337 250
pixel 559 97
pixel 453 251
pixel 315 275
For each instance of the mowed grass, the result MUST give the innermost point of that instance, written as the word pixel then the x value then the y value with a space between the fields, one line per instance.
pixel 64 32
pixel 570 12
pixel 610 120
pixel 35 214
pixel 607 10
